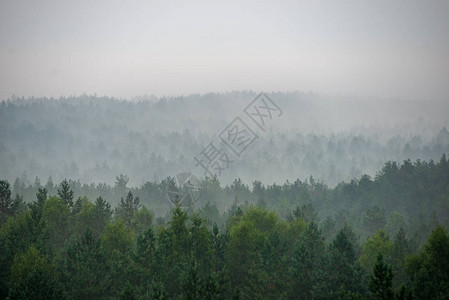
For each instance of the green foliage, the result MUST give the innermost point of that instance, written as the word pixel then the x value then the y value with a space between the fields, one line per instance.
pixel 85 270
pixel 191 284
pixel 403 294
pixel 307 212
pixel 401 248
pixel 32 277
pixel 157 291
pixel 102 216
pixel 200 240
pixel 65 193
pixel 374 220
pixel 344 270
pixel 117 237
pixel 127 208
pixel 275 265
pixel 380 242
pixel 219 245
pixel 145 255
pixel 5 200
pixel 429 270
pixel 179 234
pixel 89 215
pixel 57 217
pixel 307 264
pixel 344 295
pixel 214 286
pixel 250 252
pixel 38 206
pixel 41 196
pixel 210 213
pixel 16 236
pixel 381 282
pixel 194 286
pixel 128 293
pixel 183 241
pixel 395 220
pixel 142 219
pixel 243 254
pixel 85 215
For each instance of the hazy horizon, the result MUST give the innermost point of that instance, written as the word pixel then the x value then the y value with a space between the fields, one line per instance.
pixel 126 49
pixel 276 149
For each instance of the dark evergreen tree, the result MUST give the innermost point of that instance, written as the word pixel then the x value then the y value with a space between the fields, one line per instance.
pixel 77 205
pixel 219 242
pixel 86 273
pixel 41 196
pixel 344 270
pixel 18 205
pixel 429 270
pixel 128 292
pixel 102 214
pixel 191 283
pixel 200 241
pixel 157 291
pixel 381 282
pixel 144 258
pixel 348 295
pixel 65 193
pixel 307 265
pixel 127 208
pixel 5 200
pixel 33 277
pixel 213 287
pixel 403 294
pixel 400 250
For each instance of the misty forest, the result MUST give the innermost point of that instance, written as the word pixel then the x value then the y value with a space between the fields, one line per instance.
pixel 206 150
pixel 321 206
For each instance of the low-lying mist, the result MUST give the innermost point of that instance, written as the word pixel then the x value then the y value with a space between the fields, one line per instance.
pixel 333 139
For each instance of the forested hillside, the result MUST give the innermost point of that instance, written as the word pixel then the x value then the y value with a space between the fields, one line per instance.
pixel 325 204
pixel 370 238
pixel 208 150
pixel 94 139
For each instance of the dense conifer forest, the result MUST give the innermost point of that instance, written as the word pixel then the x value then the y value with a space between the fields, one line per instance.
pixel 371 238
pixel 205 150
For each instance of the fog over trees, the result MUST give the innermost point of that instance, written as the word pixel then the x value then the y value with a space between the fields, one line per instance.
pixel 208 150
pixel 94 139
pixel 340 198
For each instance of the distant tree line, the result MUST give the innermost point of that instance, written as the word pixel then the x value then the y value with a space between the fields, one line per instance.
pixel 401 194
pixel 95 138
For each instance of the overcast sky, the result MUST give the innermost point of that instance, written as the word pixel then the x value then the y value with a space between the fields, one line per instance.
pixel 130 48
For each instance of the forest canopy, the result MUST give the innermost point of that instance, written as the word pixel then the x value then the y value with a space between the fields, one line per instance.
pixel 366 239
pixel 91 204
pixel 94 138
pixel 224 150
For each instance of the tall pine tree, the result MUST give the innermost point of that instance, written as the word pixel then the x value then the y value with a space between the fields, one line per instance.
pixel 65 193
pixel 381 282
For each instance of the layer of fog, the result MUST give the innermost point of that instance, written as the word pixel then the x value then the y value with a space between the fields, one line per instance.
pixel 94 139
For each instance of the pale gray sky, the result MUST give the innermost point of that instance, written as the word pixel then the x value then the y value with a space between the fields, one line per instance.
pixel 129 48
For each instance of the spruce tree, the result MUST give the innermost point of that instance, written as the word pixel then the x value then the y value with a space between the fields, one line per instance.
pixel 5 197
pixel 381 282
pixel 65 193
pixel 128 207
